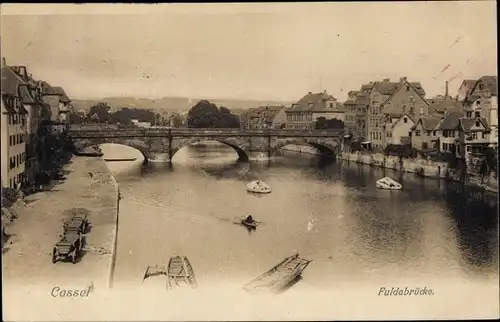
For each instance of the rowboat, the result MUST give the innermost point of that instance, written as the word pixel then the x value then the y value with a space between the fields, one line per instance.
pixel 252 224
pixel 278 277
pixel 389 184
pixel 180 271
pixel 258 186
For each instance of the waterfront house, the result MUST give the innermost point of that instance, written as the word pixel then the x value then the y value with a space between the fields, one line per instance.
pixel 355 114
pixel 58 101
pixel 14 128
pixel 397 129
pixel 392 98
pixel 449 141
pixel 474 138
pixel 303 114
pixel 482 102
pixel 425 133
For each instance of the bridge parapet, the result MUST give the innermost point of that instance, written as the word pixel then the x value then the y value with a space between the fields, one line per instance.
pixel 93 132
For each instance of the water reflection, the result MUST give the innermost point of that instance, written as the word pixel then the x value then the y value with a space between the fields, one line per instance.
pixel 430 229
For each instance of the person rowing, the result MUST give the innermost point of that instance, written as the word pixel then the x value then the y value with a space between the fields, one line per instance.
pixel 249 219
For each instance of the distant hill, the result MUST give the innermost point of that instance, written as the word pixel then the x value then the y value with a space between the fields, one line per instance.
pixel 172 104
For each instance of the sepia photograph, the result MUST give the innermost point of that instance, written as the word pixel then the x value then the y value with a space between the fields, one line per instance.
pixel 249 161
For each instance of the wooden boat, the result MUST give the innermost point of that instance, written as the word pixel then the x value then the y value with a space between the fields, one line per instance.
pixel 389 184
pixel 248 224
pixel 180 272
pixel 278 277
pixel 258 186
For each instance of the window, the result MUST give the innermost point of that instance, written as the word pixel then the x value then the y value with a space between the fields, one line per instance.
pixel 433 133
pixel 469 114
pixel 445 146
pixel 11 184
pixel 478 123
pixel 483 135
pixel 429 133
pixel 417 133
pixel 468 148
pixel 424 145
pixel 409 134
pixel 405 120
pixel 478 103
pixel 477 114
pixel 331 105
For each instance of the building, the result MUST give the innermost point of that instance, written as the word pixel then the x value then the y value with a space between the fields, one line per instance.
pixel 303 114
pixel 390 100
pixel 30 95
pixel 425 133
pixel 465 89
pixel 265 117
pixel 397 129
pixel 351 108
pixel 482 102
pixel 59 102
pixel 14 126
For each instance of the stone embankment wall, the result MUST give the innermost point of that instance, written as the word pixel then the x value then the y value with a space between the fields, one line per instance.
pixel 421 167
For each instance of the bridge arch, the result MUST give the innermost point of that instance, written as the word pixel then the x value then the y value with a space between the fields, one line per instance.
pixel 325 147
pixel 136 144
pixel 240 146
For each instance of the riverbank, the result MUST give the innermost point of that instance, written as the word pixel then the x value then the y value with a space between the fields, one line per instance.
pixel 421 167
pixel 88 187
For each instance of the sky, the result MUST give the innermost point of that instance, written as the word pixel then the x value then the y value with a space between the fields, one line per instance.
pixel 263 51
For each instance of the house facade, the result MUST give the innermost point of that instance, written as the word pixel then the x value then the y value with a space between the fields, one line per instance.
pixel 13 134
pixel 425 133
pixel 482 102
pixel 303 114
pixel 397 130
pixel 392 98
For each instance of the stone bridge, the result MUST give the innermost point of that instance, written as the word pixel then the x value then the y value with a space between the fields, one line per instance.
pixel 247 143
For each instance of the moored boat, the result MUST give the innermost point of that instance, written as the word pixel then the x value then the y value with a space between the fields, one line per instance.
pixel 280 276
pixel 250 224
pixel 258 186
pixel 389 184
pixel 180 272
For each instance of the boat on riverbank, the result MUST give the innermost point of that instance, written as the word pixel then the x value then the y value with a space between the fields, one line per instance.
pixel 388 184
pixel 279 277
pixel 258 186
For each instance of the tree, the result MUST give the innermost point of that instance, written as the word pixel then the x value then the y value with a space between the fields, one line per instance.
pixel 206 115
pixel 323 124
pixel 99 113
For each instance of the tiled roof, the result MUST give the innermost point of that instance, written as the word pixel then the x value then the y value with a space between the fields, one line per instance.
pixel 385 88
pixel 440 106
pixel 10 82
pixel 491 83
pixel 450 121
pixel 429 122
pixel 25 95
pixel 468 83
pixel 467 123
pixel 63 97
pixel 312 101
pixel 266 113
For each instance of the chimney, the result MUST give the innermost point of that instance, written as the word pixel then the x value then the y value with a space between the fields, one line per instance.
pixel 310 93
pixel 387 80
pixel 446 90
pixel 324 91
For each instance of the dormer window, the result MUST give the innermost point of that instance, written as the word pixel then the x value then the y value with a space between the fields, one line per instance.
pixel 469 114
pixel 310 105
pixel 478 123
pixel 331 105
pixel 405 120
pixel 477 114
pixel 478 103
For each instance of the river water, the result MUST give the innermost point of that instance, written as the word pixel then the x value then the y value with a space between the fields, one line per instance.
pixel 330 213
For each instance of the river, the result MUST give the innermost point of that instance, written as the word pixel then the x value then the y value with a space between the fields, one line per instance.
pixel 428 233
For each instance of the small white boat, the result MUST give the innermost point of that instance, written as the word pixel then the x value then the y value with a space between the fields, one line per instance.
pixel 258 186
pixel 388 183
